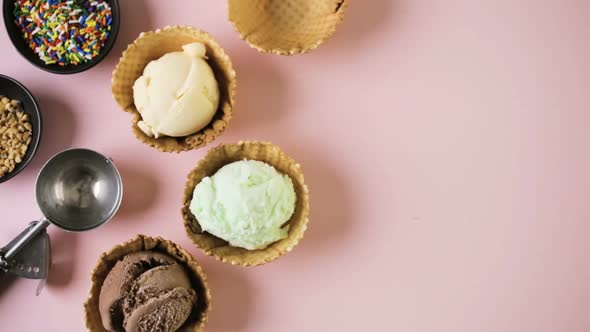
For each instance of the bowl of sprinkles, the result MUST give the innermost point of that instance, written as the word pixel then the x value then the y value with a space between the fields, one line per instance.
pixel 62 36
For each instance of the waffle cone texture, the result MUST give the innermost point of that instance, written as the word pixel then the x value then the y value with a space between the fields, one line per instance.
pixel 286 27
pixel 229 153
pixel 152 45
pixel 198 318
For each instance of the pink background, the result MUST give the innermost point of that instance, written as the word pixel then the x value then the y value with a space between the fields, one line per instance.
pixel 445 144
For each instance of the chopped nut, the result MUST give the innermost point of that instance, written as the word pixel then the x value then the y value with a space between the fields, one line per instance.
pixel 15 134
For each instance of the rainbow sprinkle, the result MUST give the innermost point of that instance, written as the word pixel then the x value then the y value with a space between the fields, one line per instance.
pixel 64 32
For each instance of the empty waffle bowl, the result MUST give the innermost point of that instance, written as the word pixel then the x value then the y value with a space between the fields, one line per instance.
pixel 286 27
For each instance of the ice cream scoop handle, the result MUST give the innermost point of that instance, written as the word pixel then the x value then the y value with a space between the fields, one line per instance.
pixel 24 238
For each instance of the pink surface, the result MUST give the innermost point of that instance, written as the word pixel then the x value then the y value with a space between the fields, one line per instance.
pixel 445 144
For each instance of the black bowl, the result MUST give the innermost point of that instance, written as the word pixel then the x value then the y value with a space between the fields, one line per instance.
pixel 24 49
pixel 14 90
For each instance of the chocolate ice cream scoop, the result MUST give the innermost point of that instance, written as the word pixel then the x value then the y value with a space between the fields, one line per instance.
pixel 165 276
pixel 146 291
pixel 165 312
pixel 154 283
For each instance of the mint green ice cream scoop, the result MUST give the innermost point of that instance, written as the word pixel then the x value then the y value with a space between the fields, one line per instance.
pixel 245 203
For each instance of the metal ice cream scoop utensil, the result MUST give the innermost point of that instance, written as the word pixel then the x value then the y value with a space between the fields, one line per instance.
pixel 77 190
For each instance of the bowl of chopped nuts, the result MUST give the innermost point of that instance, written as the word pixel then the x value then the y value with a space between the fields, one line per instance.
pixel 20 127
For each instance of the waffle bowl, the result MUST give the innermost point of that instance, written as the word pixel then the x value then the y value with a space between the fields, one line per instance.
pixel 198 318
pixel 153 45
pixel 228 153
pixel 286 27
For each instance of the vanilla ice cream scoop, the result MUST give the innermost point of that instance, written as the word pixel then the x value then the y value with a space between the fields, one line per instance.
pixel 177 95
